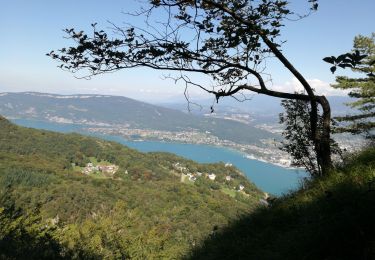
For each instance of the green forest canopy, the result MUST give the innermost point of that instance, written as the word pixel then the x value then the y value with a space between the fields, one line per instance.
pixel 144 211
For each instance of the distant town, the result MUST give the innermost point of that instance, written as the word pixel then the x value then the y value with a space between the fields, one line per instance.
pixel 267 151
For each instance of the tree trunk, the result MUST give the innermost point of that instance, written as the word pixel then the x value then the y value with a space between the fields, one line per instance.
pixel 323 148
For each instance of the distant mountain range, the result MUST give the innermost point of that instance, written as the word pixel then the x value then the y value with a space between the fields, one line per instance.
pixel 261 108
pixel 104 110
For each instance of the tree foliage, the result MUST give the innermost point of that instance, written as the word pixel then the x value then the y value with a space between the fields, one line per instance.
pixel 361 61
pixel 297 134
pixel 228 41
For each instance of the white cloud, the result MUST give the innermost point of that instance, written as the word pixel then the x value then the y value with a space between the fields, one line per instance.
pixel 321 87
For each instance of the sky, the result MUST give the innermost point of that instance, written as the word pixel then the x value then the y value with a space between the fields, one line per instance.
pixel 30 29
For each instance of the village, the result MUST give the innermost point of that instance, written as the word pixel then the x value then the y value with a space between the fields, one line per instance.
pixel 105 170
pixel 186 175
pixel 229 183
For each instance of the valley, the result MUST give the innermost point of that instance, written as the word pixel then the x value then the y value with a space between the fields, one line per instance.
pixel 136 120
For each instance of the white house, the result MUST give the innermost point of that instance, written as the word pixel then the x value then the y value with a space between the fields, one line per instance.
pixel 241 187
pixel 212 176
pixel 228 178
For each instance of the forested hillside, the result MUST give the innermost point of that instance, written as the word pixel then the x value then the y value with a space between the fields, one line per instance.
pixel 150 208
pixel 154 205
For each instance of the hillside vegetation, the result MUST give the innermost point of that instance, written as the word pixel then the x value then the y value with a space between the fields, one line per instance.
pixel 147 209
pixel 328 218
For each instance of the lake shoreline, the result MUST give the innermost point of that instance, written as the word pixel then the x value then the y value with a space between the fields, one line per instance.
pixel 245 154
pixel 89 129
pixel 267 154
pixel 269 177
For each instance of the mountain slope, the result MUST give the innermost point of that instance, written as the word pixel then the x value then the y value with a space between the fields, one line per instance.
pixel 147 209
pixel 257 104
pixel 328 218
pixel 113 110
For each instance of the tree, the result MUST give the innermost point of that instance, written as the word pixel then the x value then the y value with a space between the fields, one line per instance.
pixel 361 60
pixel 228 41
pixel 297 142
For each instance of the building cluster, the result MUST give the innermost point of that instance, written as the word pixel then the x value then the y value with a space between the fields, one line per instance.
pixel 192 176
pixel 185 174
pixel 268 151
pixel 188 136
pixel 108 169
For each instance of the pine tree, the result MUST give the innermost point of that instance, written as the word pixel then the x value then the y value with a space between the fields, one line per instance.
pixel 362 61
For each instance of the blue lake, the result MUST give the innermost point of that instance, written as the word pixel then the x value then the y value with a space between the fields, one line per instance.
pixel 268 177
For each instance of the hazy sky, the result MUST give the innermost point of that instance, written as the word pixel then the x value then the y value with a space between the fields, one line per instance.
pixel 30 29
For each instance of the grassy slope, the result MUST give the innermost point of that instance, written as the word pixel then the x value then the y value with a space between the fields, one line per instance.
pixel 330 218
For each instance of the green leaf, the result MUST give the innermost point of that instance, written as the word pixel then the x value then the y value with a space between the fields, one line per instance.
pixel 330 59
pixel 345 65
pixel 340 58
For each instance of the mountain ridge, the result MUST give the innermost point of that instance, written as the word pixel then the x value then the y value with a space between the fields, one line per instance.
pixel 116 110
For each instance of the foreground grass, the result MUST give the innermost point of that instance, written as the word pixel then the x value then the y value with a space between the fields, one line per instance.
pixel 327 218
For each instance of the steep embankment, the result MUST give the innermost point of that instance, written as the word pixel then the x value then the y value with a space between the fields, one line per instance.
pixel 329 218
pixel 146 206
